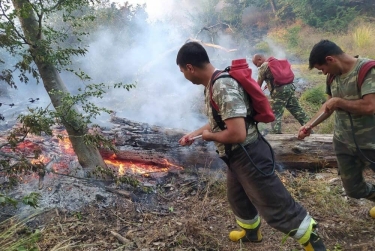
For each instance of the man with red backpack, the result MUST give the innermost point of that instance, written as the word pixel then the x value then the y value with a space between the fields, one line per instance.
pixel 351 95
pixel 279 78
pixel 253 187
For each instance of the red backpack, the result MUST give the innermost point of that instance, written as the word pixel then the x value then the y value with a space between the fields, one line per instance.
pixel 281 71
pixel 365 68
pixel 240 71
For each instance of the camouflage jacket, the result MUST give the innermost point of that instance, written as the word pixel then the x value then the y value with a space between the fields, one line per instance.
pixel 232 101
pixel 345 86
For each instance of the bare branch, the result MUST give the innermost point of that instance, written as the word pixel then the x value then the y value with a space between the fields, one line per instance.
pixel 14 26
pixel 60 2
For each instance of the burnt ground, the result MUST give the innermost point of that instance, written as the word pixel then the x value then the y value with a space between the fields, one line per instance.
pixel 180 210
pixel 189 211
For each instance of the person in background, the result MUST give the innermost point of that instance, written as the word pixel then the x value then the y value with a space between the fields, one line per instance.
pixel 354 108
pixel 253 188
pixel 282 92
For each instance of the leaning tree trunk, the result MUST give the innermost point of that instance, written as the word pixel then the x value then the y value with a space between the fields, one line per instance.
pixel 273 5
pixel 88 156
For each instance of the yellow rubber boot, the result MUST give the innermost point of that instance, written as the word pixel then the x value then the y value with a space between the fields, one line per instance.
pixel 246 235
pixel 372 212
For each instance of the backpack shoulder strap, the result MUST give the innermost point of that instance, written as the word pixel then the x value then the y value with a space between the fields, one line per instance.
pixel 215 76
pixel 365 68
pixel 329 80
pixel 214 107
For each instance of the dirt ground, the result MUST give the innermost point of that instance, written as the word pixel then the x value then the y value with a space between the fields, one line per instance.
pixel 189 211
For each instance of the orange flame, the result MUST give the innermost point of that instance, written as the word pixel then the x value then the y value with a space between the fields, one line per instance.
pixel 123 166
pixel 139 168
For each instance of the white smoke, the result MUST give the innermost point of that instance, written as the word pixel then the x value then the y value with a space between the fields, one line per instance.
pixel 162 95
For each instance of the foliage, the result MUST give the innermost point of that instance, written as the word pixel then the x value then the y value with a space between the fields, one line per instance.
pixel 314 96
pixel 263 47
pixel 62 29
pixel 16 236
pixel 31 200
pixel 292 36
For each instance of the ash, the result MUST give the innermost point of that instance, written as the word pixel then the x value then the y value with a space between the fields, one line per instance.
pixel 63 192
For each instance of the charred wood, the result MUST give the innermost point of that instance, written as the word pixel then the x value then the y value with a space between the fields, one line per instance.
pixel 141 142
pixel 144 143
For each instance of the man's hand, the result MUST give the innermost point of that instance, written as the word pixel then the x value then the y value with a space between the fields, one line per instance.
pixel 304 131
pixel 206 135
pixel 186 140
pixel 331 105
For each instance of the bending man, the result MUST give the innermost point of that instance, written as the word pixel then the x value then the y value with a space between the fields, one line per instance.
pixel 282 94
pixel 354 107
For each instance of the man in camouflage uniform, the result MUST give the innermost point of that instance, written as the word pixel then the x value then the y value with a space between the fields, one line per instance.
pixel 354 145
pixel 282 96
pixel 253 188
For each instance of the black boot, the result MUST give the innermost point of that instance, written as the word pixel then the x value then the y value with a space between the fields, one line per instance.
pixel 315 243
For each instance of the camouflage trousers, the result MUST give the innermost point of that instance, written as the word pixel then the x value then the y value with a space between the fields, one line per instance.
pixel 351 165
pixel 285 97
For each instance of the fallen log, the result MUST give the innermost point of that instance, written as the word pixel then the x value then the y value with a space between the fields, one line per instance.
pixel 313 152
pixel 141 142
pixel 144 143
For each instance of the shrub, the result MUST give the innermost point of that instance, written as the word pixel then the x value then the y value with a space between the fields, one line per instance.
pixel 263 47
pixel 315 96
pixel 293 36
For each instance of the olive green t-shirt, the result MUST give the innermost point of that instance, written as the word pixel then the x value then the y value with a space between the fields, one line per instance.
pixel 345 86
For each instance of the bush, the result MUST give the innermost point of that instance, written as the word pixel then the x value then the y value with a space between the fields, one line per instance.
pixel 314 97
pixel 263 47
pixel 293 36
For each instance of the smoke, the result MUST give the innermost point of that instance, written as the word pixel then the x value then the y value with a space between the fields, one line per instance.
pixel 162 95
pixel 276 50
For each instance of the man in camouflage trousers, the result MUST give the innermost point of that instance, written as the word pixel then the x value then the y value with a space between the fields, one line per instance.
pixel 354 145
pixel 282 96
pixel 253 188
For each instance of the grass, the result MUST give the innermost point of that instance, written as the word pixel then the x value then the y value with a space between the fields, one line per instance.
pixel 358 40
pixel 363 37
pixel 15 235
pixel 200 220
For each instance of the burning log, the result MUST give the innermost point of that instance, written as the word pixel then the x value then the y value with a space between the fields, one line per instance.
pixel 155 145
pixel 140 142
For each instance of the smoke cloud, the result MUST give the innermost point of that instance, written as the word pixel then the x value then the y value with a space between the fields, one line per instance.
pixel 162 95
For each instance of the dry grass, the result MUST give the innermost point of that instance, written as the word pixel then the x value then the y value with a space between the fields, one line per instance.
pixel 363 36
pixel 359 40
pixel 193 214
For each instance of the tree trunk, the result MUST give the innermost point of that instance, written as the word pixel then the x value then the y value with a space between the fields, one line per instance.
pixel 153 144
pixel 88 156
pixel 273 5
